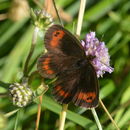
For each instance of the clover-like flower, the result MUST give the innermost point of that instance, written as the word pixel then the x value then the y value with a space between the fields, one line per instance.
pixel 93 47
pixel 41 19
pixel 21 94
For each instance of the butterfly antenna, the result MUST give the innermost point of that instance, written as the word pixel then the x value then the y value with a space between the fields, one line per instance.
pixel 102 37
pixel 73 29
pixel 59 18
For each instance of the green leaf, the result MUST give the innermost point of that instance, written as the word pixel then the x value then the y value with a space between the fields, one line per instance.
pixel 54 107
pixel 107 89
pixel 11 31
pixel 15 57
pixel 100 9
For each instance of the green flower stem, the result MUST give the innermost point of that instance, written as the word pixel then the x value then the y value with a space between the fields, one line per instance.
pixel 34 39
pixel 96 118
pixel 4 85
pixel 17 120
pixel 3 95
pixel 63 116
pixel 109 115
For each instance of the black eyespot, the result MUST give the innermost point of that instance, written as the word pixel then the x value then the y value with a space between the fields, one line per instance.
pixel 89 98
pixel 56 34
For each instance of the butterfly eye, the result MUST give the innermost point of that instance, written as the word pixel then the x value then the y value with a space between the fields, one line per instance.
pixel 80 62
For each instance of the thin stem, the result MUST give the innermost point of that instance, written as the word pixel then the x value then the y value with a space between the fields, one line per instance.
pixel 63 116
pixel 16 121
pixel 96 118
pixel 4 85
pixel 34 39
pixel 11 113
pixel 122 106
pixel 80 16
pixel 3 95
pixel 109 115
pixel 57 13
pixel 38 113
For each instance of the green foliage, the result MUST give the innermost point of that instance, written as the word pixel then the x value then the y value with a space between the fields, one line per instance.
pixel 111 21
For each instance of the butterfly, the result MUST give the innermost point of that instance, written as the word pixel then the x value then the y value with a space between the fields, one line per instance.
pixel 66 59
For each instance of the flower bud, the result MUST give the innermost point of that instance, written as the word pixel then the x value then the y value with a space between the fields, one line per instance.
pixel 21 94
pixel 41 19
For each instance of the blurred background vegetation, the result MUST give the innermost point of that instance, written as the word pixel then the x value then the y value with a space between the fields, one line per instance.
pixel 111 21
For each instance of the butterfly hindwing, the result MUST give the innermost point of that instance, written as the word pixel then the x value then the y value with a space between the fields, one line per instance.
pixel 64 88
pixel 79 86
pixel 87 91
pixel 59 40
pixel 63 92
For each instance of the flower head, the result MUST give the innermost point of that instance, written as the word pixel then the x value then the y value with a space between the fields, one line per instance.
pixel 41 19
pixel 21 94
pixel 93 47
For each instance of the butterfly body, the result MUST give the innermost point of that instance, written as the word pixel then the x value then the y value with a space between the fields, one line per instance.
pixel 76 77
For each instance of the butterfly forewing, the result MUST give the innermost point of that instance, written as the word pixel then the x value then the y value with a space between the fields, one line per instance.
pixel 59 40
pixel 46 66
pixel 52 64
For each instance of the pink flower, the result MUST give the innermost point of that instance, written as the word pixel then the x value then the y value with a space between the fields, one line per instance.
pixel 94 47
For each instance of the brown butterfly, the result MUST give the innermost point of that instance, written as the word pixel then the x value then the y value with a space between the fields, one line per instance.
pixel 66 60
